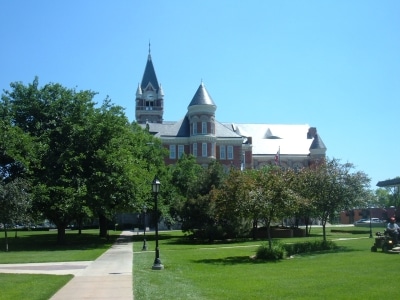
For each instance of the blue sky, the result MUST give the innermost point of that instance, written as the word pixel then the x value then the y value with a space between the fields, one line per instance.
pixel 334 65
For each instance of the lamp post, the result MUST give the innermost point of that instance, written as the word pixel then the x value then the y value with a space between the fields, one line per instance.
pixel 156 189
pixel 370 224
pixel 144 248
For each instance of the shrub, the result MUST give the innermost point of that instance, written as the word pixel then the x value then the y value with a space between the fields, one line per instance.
pixel 310 246
pixel 276 252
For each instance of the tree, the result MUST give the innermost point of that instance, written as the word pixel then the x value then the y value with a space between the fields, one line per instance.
pixel 118 169
pixel 332 187
pixel 14 203
pixel 196 207
pixel 233 209
pixel 15 148
pixel 54 117
pixel 89 161
pixel 383 197
pixel 183 177
pixel 272 195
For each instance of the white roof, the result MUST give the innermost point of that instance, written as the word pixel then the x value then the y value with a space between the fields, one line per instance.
pixel 267 139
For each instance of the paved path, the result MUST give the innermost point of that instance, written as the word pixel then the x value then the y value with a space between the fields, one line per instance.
pixel 108 277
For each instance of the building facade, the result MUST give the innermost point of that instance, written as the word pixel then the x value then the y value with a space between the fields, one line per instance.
pixel 233 145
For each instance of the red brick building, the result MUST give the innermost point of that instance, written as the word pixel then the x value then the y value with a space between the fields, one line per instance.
pixel 240 145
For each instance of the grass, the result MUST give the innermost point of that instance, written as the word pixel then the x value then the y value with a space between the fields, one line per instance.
pixel 40 246
pixel 32 287
pixel 227 271
pixel 218 270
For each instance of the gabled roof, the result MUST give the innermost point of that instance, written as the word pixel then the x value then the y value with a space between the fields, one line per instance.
pixel 149 75
pixel 201 97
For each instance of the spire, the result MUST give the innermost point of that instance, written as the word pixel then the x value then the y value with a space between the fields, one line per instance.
pixel 202 97
pixel 149 50
pixel 149 75
pixel 160 92
pixel 138 91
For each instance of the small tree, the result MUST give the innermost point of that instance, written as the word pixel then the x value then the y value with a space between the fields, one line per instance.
pixel 273 195
pixel 333 187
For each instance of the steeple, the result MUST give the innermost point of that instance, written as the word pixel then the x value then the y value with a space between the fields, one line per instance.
pixel 149 96
pixel 149 75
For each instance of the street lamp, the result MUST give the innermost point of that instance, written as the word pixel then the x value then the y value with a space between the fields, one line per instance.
pixel 144 229
pixel 156 189
pixel 370 224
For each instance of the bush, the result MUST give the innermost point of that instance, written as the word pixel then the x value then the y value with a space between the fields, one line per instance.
pixel 307 247
pixel 276 252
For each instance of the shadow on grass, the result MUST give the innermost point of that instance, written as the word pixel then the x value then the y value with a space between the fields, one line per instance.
pixel 233 260
pixel 47 241
pixel 170 239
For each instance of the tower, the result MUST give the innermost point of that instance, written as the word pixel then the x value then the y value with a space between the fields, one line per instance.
pixel 149 96
pixel 201 116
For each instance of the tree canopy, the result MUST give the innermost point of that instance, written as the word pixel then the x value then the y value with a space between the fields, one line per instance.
pixel 88 159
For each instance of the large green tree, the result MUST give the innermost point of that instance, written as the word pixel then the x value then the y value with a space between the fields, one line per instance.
pixel 55 117
pixel 87 159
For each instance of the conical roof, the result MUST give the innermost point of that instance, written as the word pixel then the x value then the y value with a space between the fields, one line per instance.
pixel 149 75
pixel 201 97
pixel 317 143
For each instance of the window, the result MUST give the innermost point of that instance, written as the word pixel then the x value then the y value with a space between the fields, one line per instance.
pixel 230 152
pixel 204 127
pixel 213 149
pixel 172 151
pixel 149 105
pixel 194 128
pixel 195 150
pixel 204 149
pixel 181 150
pixel 222 152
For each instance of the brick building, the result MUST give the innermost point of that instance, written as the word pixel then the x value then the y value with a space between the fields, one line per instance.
pixel 240 145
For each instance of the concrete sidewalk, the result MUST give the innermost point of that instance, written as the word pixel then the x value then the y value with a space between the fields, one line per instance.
pixel 108 277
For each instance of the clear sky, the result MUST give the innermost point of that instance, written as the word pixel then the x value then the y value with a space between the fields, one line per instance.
pixel 334 65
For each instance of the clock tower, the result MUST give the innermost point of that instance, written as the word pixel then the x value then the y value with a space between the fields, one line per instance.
pixel 149 97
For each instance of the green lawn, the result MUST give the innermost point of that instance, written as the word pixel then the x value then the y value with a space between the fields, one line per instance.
pixel 32 287
pixel 227 271
pixel 215 271
pixel 40 246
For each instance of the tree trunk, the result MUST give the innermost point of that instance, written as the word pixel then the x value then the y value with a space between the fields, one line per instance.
pixel 80 226
pixel 268 225
pixel 254 229
pixel 60 234
pixel 308 225
pixel 6 237
pixel 103 223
